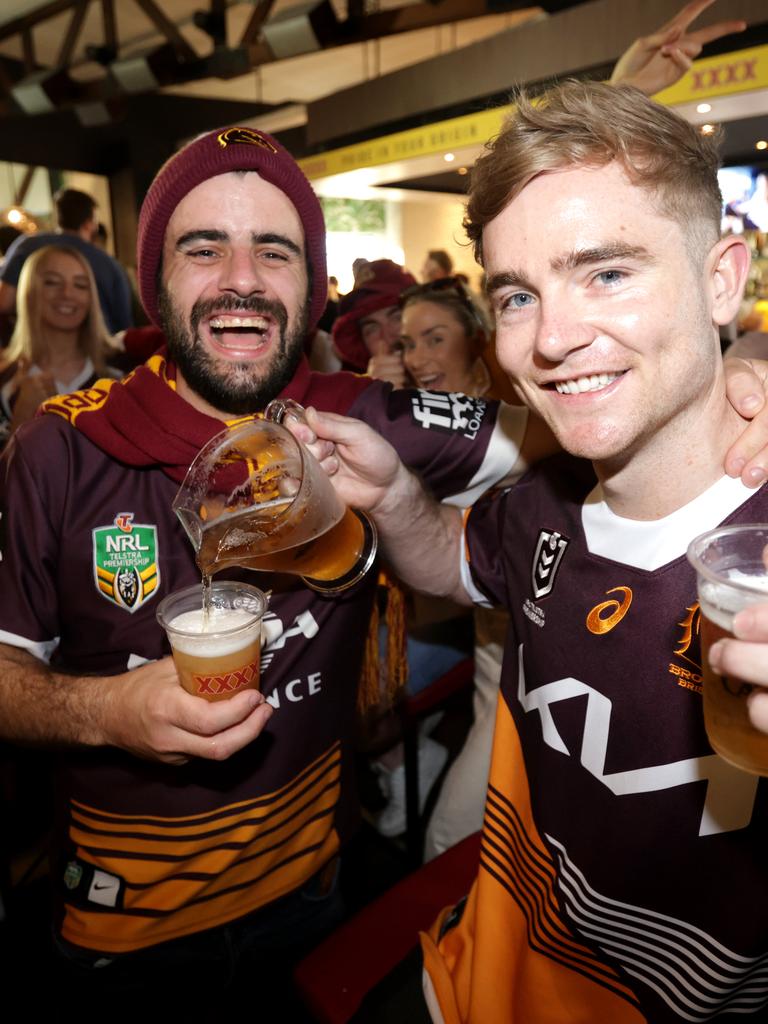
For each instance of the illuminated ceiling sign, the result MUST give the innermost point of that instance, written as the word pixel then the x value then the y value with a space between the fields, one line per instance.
pixel 724 75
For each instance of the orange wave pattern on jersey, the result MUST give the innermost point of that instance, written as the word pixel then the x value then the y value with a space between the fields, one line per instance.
pixel 513 958
pixel 183 874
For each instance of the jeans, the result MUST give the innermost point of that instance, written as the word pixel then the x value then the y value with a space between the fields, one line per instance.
pixel 432 650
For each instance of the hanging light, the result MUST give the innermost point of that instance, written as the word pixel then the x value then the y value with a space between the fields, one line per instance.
pixel 18 218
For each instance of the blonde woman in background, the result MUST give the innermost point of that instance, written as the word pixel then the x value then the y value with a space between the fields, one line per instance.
pixel 59 342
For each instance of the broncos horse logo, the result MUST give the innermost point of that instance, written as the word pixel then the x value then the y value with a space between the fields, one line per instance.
pixel 244 136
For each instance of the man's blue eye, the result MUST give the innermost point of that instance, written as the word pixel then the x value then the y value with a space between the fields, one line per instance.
pixel 610 276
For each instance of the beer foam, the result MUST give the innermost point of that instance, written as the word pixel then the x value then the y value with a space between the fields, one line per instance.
pixel 208 642
pixel 720 602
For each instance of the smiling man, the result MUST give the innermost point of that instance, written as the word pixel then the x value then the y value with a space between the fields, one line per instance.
pixel 608 818
pixel 233 301
pixel 195 833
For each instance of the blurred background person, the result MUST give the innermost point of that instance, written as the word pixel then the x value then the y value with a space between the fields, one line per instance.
pixel 447 342
pixel 437 264
pixel 330 313
pixel 101 236
pixel 358 266
pixel 448 346
pixel 8 235
pixel 366 334
pixel 59 343
pixel 76 226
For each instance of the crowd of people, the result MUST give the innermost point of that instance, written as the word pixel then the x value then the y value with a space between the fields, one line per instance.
pixel 202 840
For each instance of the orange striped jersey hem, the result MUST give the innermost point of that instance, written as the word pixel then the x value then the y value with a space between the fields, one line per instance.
pixel 183 874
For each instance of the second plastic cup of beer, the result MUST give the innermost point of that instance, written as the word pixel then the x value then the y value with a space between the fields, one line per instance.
pixel 731 571
pixel 218 655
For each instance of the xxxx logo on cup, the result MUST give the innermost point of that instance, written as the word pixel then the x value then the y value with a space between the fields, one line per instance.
pixel 227 682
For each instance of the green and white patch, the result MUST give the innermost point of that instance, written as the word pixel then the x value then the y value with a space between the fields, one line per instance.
pixel 125 562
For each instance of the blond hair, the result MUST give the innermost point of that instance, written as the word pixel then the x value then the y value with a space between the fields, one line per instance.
pixel 28 337
pixel 591 124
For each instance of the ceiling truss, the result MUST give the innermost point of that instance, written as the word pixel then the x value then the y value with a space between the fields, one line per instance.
pixel 264 39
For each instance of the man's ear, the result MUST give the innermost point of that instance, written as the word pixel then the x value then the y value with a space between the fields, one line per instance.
pixel 727 270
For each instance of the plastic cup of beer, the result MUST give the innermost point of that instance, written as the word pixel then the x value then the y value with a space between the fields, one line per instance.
pixel 731 571
pixel 216 655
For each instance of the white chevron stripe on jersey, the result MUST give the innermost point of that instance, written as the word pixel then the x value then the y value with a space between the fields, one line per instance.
pixel 696 976
pixel 730 793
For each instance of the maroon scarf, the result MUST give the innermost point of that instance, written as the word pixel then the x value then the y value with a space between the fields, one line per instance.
pixel 142 421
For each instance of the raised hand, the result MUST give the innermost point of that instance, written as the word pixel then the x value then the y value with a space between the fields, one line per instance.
pixel 389 366
pixel 656 61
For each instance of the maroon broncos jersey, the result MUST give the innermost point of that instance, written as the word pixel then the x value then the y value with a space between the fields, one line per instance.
pixel 151 851
pixel 623 867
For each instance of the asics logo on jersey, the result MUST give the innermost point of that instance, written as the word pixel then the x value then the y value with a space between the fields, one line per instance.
pixel 607 614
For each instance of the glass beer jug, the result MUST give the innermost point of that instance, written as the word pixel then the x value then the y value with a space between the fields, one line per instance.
pixel 255 497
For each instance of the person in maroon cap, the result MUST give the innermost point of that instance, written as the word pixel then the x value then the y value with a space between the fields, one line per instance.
pixel 366 334
pixel 197 840
pixel 190 829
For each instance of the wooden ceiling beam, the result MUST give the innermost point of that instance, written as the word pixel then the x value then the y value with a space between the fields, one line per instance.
pixel 110 25
pixel 26 181
pixel 219 14
pixel 165 26
pixel 28 49
pixel 213 22
pixel 425 15
pixel 73 33
pixel 261 12
pixel 28 21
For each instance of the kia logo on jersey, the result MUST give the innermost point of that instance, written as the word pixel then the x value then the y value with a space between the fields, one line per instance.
pixel 550 549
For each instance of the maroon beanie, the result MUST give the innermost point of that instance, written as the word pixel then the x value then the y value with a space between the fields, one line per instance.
pixel 228 149
pixel 378 285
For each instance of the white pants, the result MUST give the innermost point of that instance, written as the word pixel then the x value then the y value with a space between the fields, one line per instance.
pixel 461 804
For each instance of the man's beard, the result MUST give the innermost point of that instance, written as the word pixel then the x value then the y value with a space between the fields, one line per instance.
pixel 232 387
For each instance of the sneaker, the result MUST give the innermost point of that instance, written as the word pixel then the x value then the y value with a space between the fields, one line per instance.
pixel 432 757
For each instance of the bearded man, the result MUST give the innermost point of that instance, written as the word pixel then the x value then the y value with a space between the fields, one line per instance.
pixel 190 828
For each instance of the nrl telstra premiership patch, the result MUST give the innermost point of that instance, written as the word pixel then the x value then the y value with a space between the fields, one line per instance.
pixel 125 565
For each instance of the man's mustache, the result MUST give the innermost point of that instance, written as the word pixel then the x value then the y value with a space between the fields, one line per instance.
pixel 229 304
